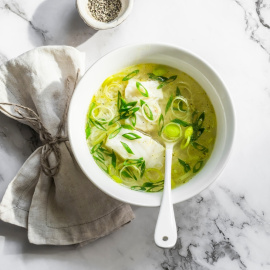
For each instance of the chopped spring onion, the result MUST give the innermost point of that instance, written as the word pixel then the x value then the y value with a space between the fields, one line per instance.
pixel 92 105
pixel 147 113
pixel 127 148
pixel 112 89
pixel 97 125
pixel 169 80
pixel 96 147
pixel 114 133
pixel 169 103
pixel 177 93
pixel 163 80
pixel 113 159
pixel 154 175
pixel 160 124
pixel 171 132
pixel 150 187
pixel 200 147
pixel 139 163
pixel 87 130
pixel 117 179
pixel 197 134
pixel 142 89
pixel 114 120
pixel 101 164
pixel 176 108
pixel 131 136
pixel 197 166
pixel 127 127
pixel 130 171
pixel 188 133
pixel 131 75
pixel 102 114
pixel 184 164
pixel 180 122
pixel 133 119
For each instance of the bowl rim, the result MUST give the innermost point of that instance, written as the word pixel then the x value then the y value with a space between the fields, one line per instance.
pixel 229 142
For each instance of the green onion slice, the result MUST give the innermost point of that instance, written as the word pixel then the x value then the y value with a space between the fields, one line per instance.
pixel 114 133
pixel 133 119
pixel 169 103
pixel 127 148
pixel 142 89
pixel 87 130
pixel 147 113
pixel 200 147
pixel 160 124
pixel 180 122
pixel 102 114
pixel 131 75
pixel 97 125
pixel 184 164
pixel 96 147
pixel 127 127
pixel 131 136
pixel 113 159
pixel 177 104
pixel 197 166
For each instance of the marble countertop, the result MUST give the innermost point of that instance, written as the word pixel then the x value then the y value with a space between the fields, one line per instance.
pixel 225 227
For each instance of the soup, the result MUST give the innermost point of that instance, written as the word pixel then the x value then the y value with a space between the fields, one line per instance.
pixel 135 111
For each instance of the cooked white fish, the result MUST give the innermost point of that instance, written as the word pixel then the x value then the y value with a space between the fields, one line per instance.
pixel 151 151
pixel 154 94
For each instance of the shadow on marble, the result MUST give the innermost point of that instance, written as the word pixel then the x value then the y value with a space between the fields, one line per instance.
pixel 58 23
pixel 16 242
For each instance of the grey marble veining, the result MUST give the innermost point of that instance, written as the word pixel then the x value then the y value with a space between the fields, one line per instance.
pixel 227 226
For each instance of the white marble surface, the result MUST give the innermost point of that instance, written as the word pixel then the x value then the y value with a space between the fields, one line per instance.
pixel 225 227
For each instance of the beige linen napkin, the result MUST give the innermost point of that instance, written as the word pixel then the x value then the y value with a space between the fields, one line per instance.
pixel 65 208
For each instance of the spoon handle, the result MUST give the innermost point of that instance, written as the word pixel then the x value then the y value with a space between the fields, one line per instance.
pixel 166 231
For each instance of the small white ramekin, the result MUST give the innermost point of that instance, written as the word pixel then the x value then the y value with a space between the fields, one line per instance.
pixel 82 7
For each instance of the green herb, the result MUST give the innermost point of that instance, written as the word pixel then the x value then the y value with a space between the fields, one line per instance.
pixel 177 93
pixel 150 187
pixel 160 124
pixel 184 164
pixel 127 148
pixel 131 75
pixel 142 102
pixel 97 125
pixel 139 163
pixel 127 127
pixel 169 103
pixel 131 136
pixel 96 147
pixel 126 174
pixel 133 119
pixel 163 80
pixel 200 147
pixel 92 105
pixel 197 133
pixel 197 166
pixel 148 112
pixel 180 122
pixel 113 159
pixel 87 130
pixel 144 91
pixel 169 80
pixel 114 133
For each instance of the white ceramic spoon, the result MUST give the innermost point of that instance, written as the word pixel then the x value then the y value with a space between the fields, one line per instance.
pixel 166 230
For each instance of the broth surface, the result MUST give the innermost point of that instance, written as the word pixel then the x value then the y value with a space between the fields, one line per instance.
pixel 133 112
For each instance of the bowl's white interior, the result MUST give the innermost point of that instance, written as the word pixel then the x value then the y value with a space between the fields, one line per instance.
pixel 162 54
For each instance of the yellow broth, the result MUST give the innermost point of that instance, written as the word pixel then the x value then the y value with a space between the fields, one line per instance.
pixel 184 102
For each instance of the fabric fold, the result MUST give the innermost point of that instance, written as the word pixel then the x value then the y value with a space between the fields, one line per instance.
pixel 65 208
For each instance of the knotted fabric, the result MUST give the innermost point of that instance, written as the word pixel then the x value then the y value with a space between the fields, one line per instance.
pixel 50 196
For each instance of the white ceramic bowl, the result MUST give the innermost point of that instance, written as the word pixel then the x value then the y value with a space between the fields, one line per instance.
pixel 82 7
pixel 161 54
